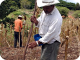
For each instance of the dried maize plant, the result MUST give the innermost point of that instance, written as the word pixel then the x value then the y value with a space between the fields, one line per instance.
pixel 66 31
pixel 1 34
pixel 75 29
pixel 9 35
pixel 24 23
pixel 5 38
pixel 25 34
pixel 2 26
pixel 11 28
pixel 32 31
pixel 66 34
pixel 22 32
pixel 37 11
pixel 71 30
pixel 62 35
pixel 35 29
pixel 75 26
pixel 78 29
pixel 79 32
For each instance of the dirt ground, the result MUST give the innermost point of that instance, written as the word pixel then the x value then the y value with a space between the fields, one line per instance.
pixel 34 54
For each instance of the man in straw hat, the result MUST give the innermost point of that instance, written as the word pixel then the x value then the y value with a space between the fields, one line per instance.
pixel 49 24
pixel 17 30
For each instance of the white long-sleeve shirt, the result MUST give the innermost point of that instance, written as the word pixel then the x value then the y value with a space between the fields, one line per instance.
pixel 50 26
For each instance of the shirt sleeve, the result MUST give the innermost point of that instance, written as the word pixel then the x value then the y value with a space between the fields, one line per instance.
pixel 53 32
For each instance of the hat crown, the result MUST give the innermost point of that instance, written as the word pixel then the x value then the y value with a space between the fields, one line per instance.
pixel 19 16
pixel 47 1
pixel 41 3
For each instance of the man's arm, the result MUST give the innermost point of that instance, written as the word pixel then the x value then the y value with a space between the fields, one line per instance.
pixel 34 20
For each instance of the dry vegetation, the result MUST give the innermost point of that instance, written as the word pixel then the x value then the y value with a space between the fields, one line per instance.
pixel 69 49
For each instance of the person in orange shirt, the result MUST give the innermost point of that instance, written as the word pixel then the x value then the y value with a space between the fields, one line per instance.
pixel 17 30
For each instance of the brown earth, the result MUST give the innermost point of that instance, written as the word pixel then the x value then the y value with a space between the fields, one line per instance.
pixel 34 54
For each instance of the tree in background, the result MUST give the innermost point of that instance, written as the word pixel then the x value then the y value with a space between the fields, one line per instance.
pixel 29 4
pixel 63 10
pixel 7 7
pixel 32 4
pixel 18 3
pixel 25 4
pixel 69 5
pixel 12 6
pixel 3 10
pixel 77 6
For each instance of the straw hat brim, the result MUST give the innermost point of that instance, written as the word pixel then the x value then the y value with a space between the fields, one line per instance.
pixel 41 4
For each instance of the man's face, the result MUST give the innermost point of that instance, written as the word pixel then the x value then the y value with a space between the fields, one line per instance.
pixel 48 9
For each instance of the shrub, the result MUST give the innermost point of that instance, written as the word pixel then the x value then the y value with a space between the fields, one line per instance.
pixel 8 20
pixel 17 12
pixel 76 14
pixel 63 10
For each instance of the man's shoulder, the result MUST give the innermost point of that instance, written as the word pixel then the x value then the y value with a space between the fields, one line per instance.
pixel 18 21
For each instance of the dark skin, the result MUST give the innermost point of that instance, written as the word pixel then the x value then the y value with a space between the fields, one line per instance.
pixel 47 10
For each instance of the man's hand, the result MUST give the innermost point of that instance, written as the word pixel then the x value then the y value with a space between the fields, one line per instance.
pixel 32 44
pixel 34 20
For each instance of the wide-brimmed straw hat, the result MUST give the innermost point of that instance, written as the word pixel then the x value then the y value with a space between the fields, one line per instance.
pixel 20 16
pixel 41 3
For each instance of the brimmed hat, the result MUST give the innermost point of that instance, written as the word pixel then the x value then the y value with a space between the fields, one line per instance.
pixel 41 3
pixel 19 16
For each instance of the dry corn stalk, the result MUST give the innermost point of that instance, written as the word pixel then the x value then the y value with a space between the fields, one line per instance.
pixel 1 33
pixel 11 28
pixel 19 35
pixel 30 34
pixel 2 26
pixel 6 37
pixel 23 34
pixel 66 47
pixel 79 32
pixel 37 11
pixel 66 40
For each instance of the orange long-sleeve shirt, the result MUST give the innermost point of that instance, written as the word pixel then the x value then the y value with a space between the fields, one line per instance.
pixel 18 25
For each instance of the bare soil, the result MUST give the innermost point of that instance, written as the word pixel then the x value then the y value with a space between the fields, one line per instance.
pixel 34 54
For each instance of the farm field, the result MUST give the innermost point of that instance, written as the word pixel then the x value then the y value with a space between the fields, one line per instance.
pixel 70 37
pixel 34 54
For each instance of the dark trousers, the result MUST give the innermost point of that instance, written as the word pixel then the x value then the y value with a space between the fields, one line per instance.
pixel 50 51
pixel 16 38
